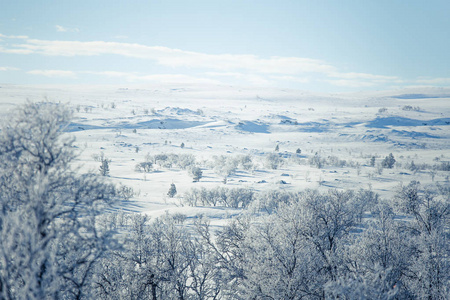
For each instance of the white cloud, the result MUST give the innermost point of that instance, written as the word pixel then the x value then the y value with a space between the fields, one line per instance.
pixel 249 78
pixel 53 73
pixel 60 28
pixel 13 36
pixel 351 83
pixel 9 69
pixel 174 57
pixel 292 79
pixel 365 76
pixel 161 78
pixel 438 81
pixel 246 68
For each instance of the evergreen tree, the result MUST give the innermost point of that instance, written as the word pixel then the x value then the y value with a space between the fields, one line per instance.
pixel 388 161
pixel 104 167
pixel 172 191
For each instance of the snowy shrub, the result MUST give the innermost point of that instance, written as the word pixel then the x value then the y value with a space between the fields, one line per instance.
pixel 273 161
pixel 224 165
pixel 245 162
pixel 317 161
pixel 162 160
pixel 185 161
pixel 169 160
pixel 145 167
pixel 411 108
pixel 335 162
pixel 125 192
pixel 196 173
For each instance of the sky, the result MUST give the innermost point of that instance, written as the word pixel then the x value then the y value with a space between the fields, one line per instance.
pixel 329 46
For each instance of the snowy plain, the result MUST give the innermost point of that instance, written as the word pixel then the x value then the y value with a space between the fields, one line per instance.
pixel 127 123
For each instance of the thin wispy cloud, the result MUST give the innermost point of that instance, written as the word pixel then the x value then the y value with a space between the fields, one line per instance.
pixel 159 78
pixel 432 81
pixel 352 75
pixel 9 69
pixel 60 28
pixel 291 79
pixel 202 67
pixel 173 57
pixel 351 83
pixel 53 73
pixel 13 36
pixel 250 78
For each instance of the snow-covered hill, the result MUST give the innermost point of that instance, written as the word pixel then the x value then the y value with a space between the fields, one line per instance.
pixel 129 124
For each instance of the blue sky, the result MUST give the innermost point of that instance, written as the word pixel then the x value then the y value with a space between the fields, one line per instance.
pixel 318 45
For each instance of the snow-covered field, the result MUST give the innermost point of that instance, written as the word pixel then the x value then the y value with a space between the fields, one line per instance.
pixel 337 134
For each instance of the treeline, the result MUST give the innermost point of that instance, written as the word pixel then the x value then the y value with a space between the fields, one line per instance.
pixel 310 246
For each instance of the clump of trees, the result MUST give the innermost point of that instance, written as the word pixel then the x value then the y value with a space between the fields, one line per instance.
pixel 311 245
pixel 170 160
pixel 388 161
pixel 273 161
pixel 50 238
pixel 219 196
pixel 228 165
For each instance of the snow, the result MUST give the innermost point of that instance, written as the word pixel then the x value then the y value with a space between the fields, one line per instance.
pixel 127 123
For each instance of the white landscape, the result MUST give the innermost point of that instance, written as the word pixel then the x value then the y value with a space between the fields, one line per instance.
pixel 224 150
pixel 267 157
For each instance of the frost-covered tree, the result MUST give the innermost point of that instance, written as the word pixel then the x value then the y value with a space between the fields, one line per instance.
pixel 429 229
pixel 273 161
pixel 388 161
pixel 104 167
pixel 290 254
pixel 48 212
pixel 155 262
pixel 374 286
pixel 196 173
pixel 145 167
pixel 372 161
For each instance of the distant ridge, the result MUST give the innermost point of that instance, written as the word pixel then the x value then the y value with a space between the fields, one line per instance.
pixel 419 96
